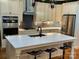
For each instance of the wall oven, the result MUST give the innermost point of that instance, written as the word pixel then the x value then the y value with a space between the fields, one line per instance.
pixel 10 25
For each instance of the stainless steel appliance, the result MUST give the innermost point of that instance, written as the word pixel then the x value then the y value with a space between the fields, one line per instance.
pixel 29 5
pixel 10 25
pixel 10 22
pixel 28 21
pixel 68 24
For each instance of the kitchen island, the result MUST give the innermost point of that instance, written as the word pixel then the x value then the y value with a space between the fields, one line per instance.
pixel 18 45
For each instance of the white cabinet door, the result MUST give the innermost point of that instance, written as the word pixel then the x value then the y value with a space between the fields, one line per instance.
pixel 14 6
pixel 4 7
pixel 29 6
pixel 65 8
pixel 44 12
pixel 70 8
pixel 73 7
pixel 58 12
pixel 10 7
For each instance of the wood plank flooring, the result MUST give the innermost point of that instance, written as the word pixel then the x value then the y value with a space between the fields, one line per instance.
pixel 3 54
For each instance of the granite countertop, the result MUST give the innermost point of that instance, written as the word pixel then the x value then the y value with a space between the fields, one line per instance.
pixel 21 41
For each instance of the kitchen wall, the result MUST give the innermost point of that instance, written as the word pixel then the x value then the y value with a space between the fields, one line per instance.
pixel 77 29
pixel 21 9
pixel 0 12
pixel 0 16
pixel 0 23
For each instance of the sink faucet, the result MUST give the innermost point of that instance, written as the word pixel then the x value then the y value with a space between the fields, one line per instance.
pixel 40 30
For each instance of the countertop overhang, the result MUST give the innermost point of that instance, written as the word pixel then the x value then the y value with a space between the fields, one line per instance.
pixel 21 41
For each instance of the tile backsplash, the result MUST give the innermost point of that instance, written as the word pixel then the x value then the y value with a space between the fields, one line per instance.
pixel 48 23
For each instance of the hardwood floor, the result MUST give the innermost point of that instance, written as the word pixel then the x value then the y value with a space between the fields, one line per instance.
pixel 3 54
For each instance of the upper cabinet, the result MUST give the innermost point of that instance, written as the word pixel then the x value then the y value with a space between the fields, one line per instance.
pixel 10 7
pixel 4 6
pixel 48 16
pixel 14 6
pixel 70 8
pixel 58 12
pixel 44 12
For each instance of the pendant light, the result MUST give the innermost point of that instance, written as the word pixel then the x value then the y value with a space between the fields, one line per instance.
pixel 52 3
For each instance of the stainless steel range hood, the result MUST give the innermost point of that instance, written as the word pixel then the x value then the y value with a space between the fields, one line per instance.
pixel 28 6
pixel 28 13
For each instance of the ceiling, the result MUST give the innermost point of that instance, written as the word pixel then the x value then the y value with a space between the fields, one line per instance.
pixel 56 1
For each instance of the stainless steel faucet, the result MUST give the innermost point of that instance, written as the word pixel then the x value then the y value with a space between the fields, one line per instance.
pixel 40 30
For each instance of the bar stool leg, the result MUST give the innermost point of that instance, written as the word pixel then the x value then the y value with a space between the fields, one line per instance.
pixel 35 57
pixel 50 51
pixel 50 55
pixel 65 46
pixel 63 53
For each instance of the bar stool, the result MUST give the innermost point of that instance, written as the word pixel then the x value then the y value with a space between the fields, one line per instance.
pixel 35 53
pixel 65 46
pixel 50 51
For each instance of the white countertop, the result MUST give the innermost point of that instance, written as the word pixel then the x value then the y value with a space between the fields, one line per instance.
pixel 20 41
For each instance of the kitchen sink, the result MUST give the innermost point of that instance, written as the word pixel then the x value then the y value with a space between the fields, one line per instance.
pixel 37 35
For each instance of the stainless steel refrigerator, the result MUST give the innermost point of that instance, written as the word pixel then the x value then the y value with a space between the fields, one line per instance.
pixel 68 24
